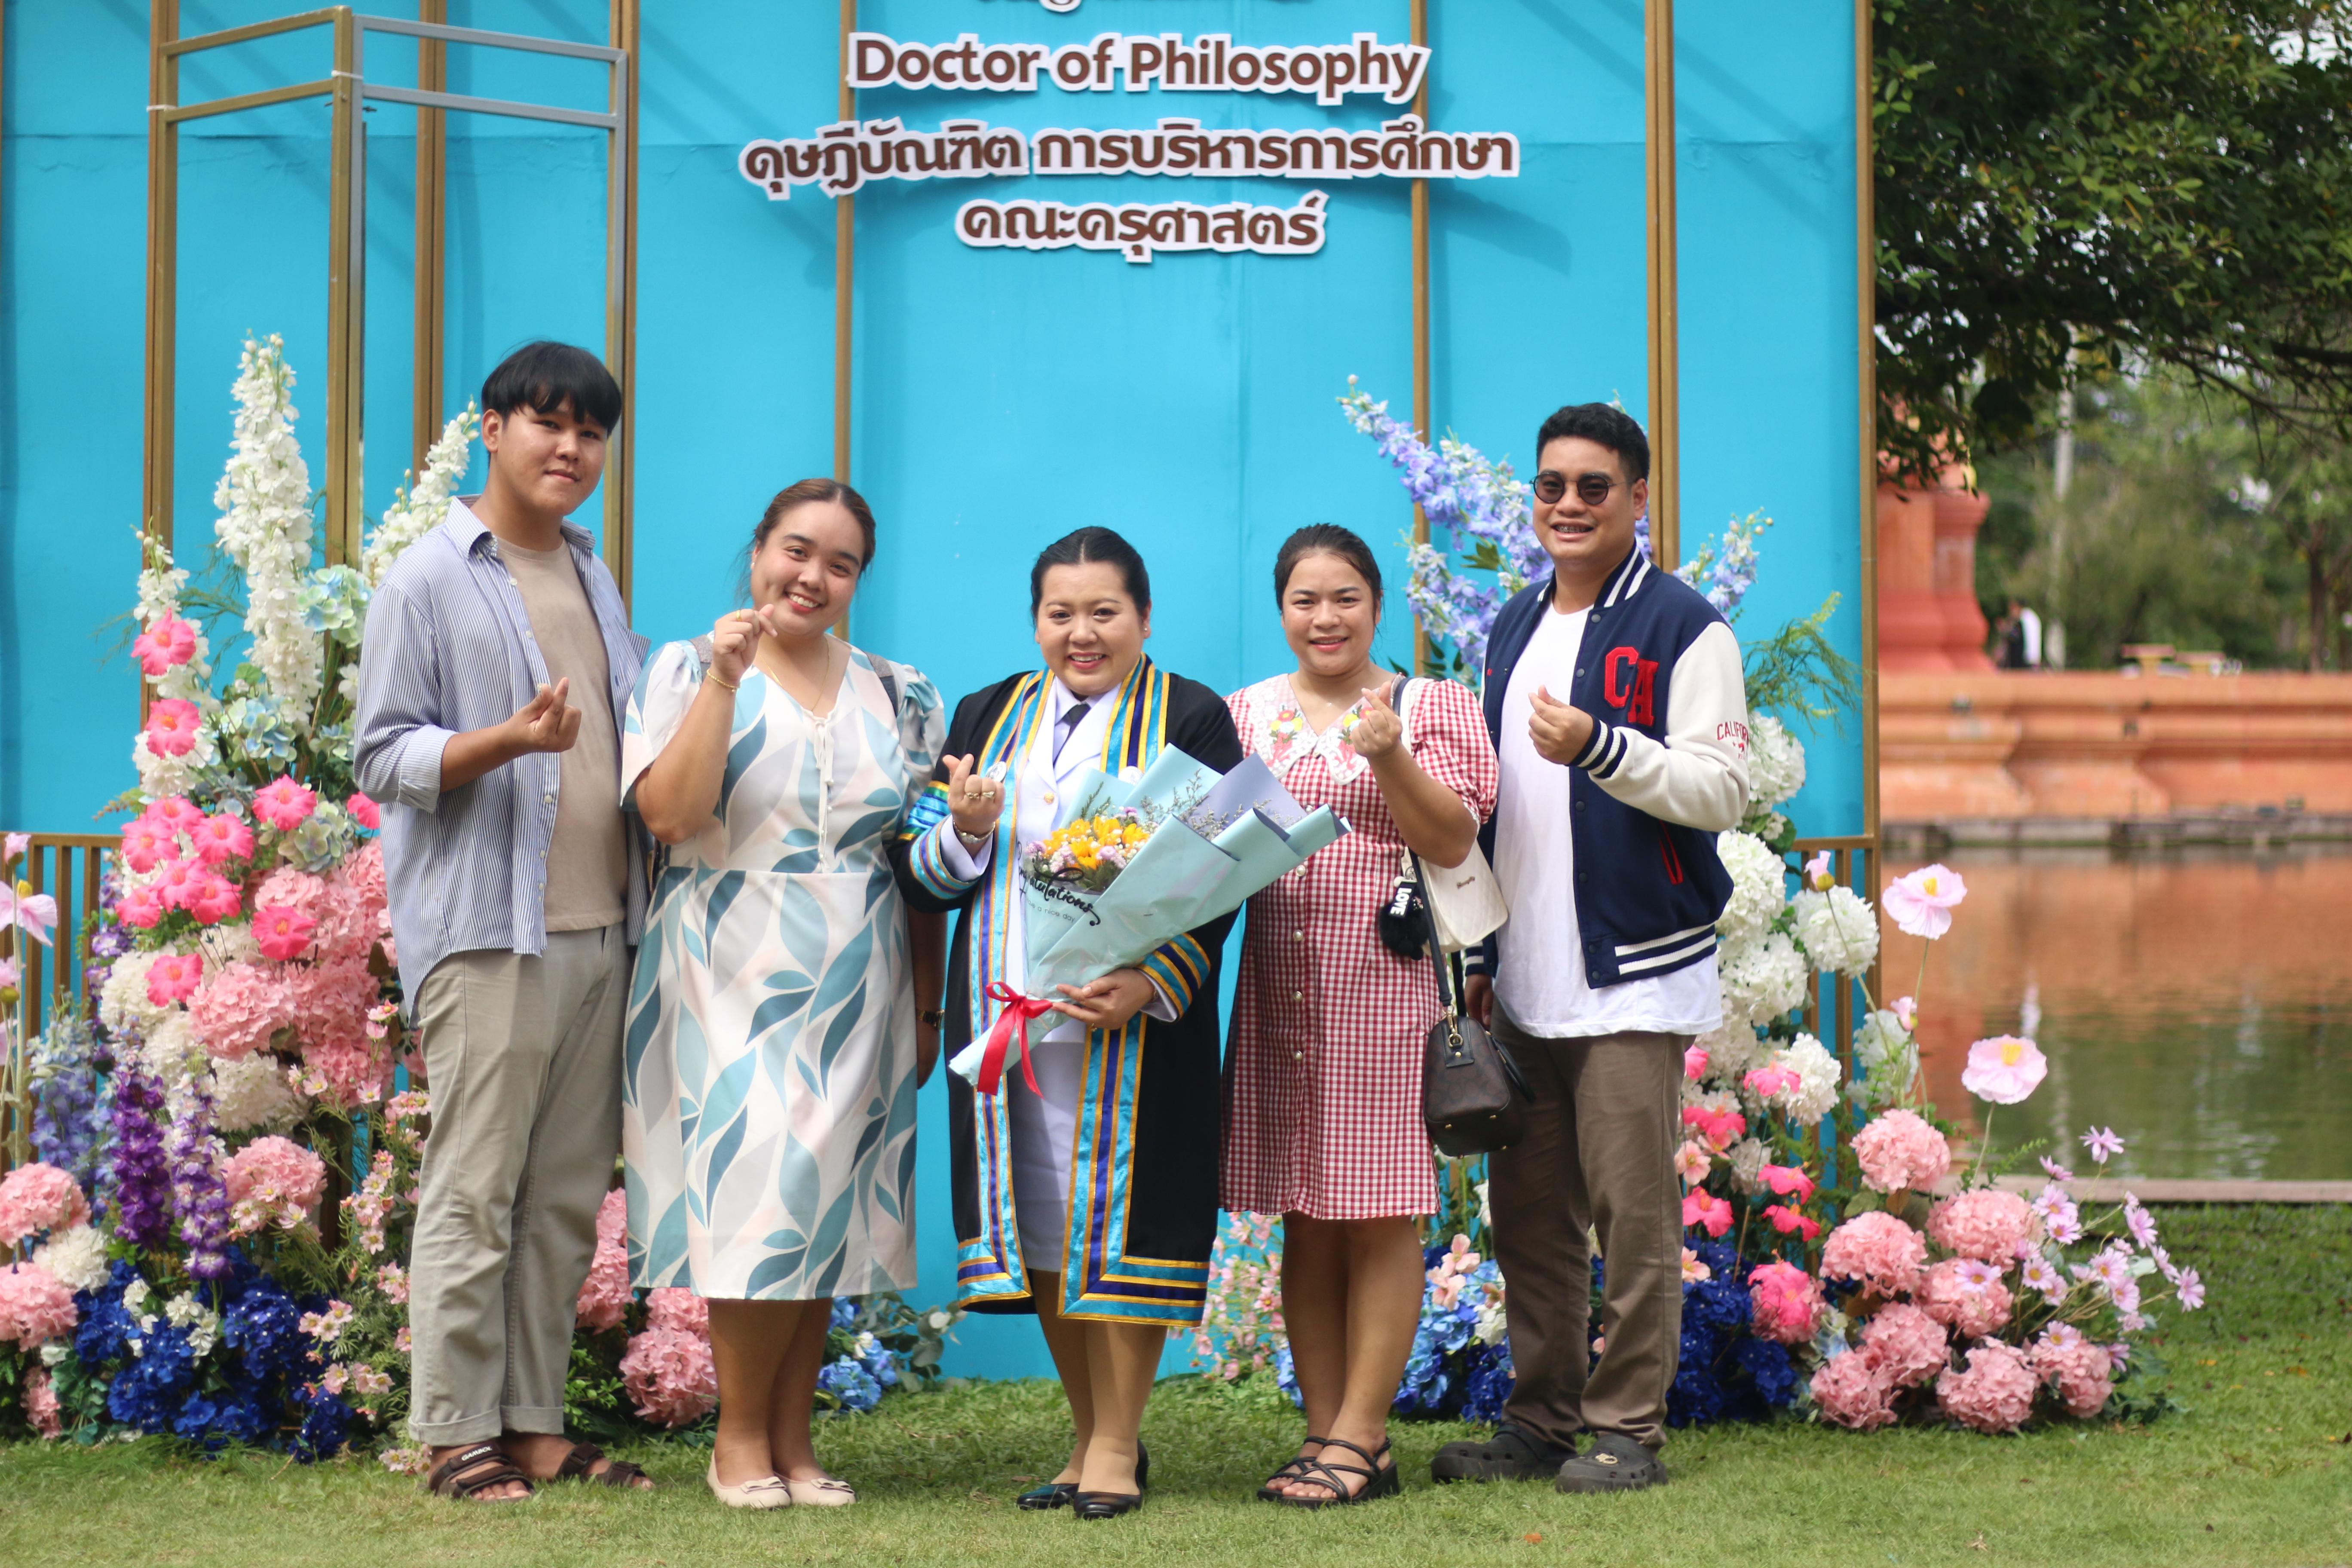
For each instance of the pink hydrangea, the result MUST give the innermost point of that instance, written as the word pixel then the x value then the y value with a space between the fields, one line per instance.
pixel 287 888
pixel 174 978
pixel 1986 1224
pixel 1787 1302
pixel 1876 1249
pixel 165 646
pixel 364 812
pixel 2080 1371
pixel 33 1307
pixel 350 921
pixel 171 726
pixel 1966 1295
pixel 1907 1343
pixel 671 1308
pixel 670 1375
pixel 1993 1394
pixel 41 1411
pixel 223 838
pixel 331 1001
pixel 1852 1390
pixel 1898 1150
pixel 283 804
pixel 38 1198
pixel 273 1180
pixel 283 933
pixel 239 1008
pixel 604 1297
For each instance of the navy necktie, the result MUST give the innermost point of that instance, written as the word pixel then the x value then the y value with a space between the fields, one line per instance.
pixel 1068 725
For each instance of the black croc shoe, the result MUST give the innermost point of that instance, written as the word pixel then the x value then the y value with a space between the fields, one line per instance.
pixel 1617 1464
pixel 1512 1454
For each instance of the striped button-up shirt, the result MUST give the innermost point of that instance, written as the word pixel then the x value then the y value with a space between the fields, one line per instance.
pixel 448 649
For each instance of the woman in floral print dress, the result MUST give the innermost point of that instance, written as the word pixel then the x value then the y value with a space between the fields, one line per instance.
pixel 1323 1081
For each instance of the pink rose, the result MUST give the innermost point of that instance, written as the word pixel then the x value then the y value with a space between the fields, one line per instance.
pixel 283 804
pixel 176 882
pixel 1789 1222
pixel 171 725
pixel 1789 1181
pixel 178 812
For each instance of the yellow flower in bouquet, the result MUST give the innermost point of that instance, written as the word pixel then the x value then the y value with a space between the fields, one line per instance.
pixel 1090 851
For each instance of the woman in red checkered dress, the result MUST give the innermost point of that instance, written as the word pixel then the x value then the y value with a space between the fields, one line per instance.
pixel 1323 1081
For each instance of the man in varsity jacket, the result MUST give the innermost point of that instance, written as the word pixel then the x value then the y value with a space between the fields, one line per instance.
pixel 1614 697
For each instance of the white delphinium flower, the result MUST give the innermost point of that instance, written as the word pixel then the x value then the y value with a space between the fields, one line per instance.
pixel 1761 980
pixel 1817 1074
pixel 1887 1058
pixel 251 1095
pixel 416 512
pixel 1748 1157
pixel 1839 929
pixel 1776 762
pixel 75 1259
pixel 122 1002
pixel 264 497
pixel 159 582
pixel 1759 886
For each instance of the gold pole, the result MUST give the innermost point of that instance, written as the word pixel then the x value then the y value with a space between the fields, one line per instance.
pixel 1421 416
pixel 432 218
pixel 1865 206
pixel 621 303
pixel 1665 421
pixel 845 269
pixel 344 311
pixel 163 233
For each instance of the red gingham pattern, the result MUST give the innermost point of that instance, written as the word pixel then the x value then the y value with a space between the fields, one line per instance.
pixel 1323 1081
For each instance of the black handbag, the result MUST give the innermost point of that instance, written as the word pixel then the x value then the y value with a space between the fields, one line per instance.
pixel 1472 1100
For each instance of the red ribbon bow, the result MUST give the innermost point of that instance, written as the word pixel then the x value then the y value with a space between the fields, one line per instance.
pixel 1018 1010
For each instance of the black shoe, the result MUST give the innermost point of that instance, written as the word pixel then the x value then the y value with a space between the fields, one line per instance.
pixel 1142 1468
pixel 1052 1494
pixel 1272 1491
pixel 1512 1454
pixel 1380 1480
pixel 1617 1464
pixel 1104 1505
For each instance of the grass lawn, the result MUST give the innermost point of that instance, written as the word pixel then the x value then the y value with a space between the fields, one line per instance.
pixel 2256 1468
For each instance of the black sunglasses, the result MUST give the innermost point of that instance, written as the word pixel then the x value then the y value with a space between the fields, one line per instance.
pixel 1590 489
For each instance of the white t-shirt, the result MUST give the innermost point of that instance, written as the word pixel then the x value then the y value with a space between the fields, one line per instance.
pixel 1539 970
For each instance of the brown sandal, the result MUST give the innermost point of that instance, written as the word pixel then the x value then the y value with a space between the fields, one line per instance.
pixel 476 1469
pixel 580 1466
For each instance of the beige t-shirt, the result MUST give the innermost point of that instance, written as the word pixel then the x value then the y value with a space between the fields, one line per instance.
pixel 588 862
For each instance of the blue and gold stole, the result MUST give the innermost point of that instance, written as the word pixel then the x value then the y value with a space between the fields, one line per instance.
pixel 1100 1278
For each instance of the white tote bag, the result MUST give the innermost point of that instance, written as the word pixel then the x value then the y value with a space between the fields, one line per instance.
pixel 1466 900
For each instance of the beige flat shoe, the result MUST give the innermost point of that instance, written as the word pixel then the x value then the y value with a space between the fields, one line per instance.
pixel 825 1492
pixel 768 1491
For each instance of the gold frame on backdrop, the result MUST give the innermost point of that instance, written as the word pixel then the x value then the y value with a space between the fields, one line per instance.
pixel 349 91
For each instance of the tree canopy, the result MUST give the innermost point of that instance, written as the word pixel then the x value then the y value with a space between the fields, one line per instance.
pixel 2150 182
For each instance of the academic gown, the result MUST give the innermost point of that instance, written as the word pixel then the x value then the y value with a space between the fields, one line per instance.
pixel 1143 1210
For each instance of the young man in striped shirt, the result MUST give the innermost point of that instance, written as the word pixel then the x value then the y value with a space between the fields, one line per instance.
pixel 495 671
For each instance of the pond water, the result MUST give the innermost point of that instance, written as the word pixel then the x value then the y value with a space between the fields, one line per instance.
pixel 2198 1003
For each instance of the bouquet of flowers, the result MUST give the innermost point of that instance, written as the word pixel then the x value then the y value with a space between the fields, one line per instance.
pixel 1141 860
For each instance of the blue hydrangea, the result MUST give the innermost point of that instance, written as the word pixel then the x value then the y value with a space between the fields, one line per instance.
pixel 105 1331
pixel 1770 1372
pixel 147 1393
pixel 326 1425
pixel 848 1381
pixel 264 1326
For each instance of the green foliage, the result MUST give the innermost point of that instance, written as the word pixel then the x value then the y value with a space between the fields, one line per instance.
pixel 1796 671
pixel 2165 182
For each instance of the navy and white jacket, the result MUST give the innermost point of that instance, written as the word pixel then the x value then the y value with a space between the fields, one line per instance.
pixel 1665 771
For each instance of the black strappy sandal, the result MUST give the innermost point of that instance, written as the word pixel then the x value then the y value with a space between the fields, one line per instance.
pixel 1272 1491
pixel 464 1474
pixel 580 1465
pixel 1380 1480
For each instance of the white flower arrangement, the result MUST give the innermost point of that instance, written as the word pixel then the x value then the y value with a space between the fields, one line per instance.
pixel 1776 762
pixel 1839 931
pixel 1817 1074
pixel 1762 981
pixel 416 512
pixel 1748 1157
pixel 75 1259
pixel 1758 887
pixel 251 1094
pixel 264 497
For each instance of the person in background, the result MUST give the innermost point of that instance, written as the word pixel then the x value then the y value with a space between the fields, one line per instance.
pixel 497 662
pixel 1615 697
pixel 769 1124
pixel 1090 1200
pixel 1323 1119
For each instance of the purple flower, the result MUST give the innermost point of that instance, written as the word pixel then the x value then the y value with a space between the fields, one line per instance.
pixel 143 1175
pixel 2103 1143
pixel 2058 1173
pixel 197 1190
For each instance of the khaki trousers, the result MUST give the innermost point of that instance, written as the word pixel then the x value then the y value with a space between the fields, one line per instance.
pixel 522 1057
pixel 1599 1153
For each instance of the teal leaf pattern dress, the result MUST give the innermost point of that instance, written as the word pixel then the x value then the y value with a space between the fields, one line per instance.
pixel 768 1119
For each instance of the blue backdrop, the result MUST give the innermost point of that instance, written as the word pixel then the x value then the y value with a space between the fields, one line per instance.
pixel 1002 397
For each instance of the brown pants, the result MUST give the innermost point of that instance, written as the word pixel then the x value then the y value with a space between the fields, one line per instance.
pixel 1599 1153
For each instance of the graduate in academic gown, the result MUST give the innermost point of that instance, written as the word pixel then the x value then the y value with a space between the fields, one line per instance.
pixel 1091 1200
